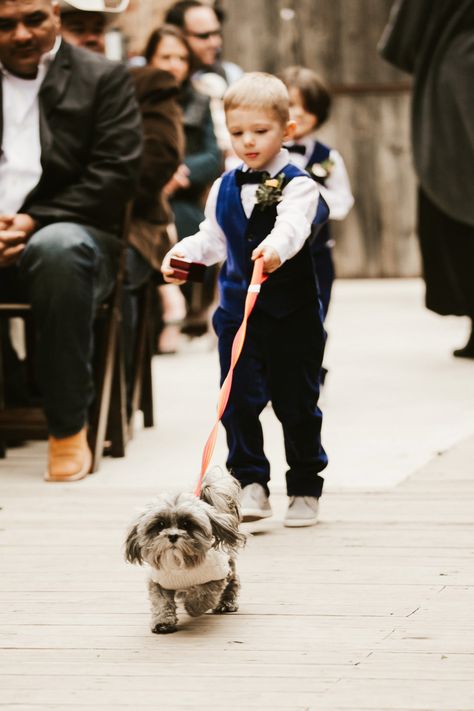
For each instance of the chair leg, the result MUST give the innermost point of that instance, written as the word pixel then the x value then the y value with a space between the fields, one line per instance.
pixel 117 420
pixel 142 394
pixel 146 400
pixel 103 386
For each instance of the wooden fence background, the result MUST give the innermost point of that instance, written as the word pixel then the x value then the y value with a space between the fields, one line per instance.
pixel 370 120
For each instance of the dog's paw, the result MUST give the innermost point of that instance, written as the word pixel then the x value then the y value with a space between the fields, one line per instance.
pixel 224 607
pixel 164 629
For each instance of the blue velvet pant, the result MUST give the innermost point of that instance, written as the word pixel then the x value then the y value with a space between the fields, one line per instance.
pixel 280 361
pixel 65 272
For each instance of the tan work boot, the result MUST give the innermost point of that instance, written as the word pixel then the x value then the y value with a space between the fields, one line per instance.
pixel 69 458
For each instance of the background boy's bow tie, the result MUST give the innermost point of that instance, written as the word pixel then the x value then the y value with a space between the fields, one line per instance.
pixel 296 148
pixel 250 176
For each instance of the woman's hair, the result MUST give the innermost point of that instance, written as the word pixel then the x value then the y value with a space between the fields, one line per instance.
pixel 158 35
pixel 315 95
pixel 260 91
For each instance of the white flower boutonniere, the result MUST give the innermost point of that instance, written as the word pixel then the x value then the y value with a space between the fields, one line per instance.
pixel 323 170
pixel 269 192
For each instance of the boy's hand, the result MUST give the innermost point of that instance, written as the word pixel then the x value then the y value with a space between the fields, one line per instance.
pixel 168 271
pixel 271 260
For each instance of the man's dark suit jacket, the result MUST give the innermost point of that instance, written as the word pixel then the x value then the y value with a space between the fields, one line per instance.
pixel 91 138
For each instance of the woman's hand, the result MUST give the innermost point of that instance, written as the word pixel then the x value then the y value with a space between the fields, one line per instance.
pixel 271 259
pixel 179 180
pixel 167 270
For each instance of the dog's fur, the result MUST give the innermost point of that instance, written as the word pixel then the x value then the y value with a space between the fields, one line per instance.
pixel 183 529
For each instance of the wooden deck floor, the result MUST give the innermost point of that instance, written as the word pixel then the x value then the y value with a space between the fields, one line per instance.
pixel 371 609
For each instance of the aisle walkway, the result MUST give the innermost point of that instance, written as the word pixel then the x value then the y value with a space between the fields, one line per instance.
pixel 371 609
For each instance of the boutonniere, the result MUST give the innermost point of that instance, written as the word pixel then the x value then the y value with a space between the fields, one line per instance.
pixel 322 170
pixel 269 192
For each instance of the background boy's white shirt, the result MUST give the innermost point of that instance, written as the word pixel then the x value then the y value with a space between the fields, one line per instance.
pixel 295 214
pixel 337 190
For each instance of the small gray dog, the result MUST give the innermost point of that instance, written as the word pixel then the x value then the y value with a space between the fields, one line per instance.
pixel 190 544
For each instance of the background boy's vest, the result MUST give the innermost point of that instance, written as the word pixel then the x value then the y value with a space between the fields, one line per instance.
pixel 320 153
pixel 288 288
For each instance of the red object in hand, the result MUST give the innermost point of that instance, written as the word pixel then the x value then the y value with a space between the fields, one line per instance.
pixel 185 270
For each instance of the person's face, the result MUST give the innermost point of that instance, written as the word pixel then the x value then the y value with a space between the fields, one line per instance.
pixel 305 122
pixel 203 32
pixel 256 135
pixel 28 29
pixel 172 56
pixel 84 29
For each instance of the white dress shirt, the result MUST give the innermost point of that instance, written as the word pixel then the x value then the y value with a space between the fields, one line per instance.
pixel 295 213
pixel 337 189
pixel 20 162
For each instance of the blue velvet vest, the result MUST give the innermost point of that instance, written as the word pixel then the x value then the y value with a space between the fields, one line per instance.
pixel 293 285
pixel 320 153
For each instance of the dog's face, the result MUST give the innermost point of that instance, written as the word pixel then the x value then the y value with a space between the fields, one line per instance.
pixel 180 529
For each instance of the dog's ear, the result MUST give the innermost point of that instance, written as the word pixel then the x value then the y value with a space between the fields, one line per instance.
pixel 133 551
pixel 225 529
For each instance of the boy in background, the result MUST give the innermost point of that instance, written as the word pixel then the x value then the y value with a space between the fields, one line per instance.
pixel 310 103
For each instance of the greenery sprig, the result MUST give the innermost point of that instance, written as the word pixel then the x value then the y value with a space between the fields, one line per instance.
pixel 270 191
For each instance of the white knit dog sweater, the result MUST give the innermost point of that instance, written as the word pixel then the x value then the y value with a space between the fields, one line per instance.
pixel 215 566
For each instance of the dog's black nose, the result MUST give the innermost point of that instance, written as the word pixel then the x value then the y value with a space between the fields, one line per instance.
pixel 173 537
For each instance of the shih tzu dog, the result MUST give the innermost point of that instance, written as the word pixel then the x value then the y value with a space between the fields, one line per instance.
pixel 190 546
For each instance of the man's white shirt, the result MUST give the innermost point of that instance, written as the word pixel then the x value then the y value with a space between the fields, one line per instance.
pixel 20 162
pixel 295 214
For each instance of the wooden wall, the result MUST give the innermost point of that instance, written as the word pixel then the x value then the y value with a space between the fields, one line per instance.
pixel 370 119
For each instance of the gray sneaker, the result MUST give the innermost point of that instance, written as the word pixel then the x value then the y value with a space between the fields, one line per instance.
pixel 302 511
pixel 254 503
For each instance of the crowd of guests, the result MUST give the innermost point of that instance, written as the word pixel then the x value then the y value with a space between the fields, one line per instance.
pixel 82 137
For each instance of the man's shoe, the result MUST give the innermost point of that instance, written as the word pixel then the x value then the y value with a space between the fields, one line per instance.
pixel 254 503
pixel 69 458
pixel 302 511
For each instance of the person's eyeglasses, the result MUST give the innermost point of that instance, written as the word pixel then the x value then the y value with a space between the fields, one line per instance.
pixel 205 35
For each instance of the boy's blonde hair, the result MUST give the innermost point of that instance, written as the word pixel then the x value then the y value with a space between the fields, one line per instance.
pixel 258 90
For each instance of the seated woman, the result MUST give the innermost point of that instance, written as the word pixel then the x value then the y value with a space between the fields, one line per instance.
pixel 168 50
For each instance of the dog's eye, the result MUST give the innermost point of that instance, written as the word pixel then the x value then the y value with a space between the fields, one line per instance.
pixel 185 525
pixel 156 527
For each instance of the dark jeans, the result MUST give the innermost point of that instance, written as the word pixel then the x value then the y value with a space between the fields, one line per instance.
pixel 65 272
pixel 280 361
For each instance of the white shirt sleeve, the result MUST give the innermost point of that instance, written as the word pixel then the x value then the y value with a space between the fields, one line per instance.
pixel 295 214
pixel 337 191
pixel 207 246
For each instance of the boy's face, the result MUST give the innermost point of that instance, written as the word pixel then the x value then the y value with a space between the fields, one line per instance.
pixel 257 135
pixel 305 122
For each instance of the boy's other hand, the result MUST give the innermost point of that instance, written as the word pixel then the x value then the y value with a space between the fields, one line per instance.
pixel 271 259
pixel 167 270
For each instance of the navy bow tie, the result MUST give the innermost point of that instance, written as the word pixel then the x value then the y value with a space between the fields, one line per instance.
pixel 296 148
pixel 250 176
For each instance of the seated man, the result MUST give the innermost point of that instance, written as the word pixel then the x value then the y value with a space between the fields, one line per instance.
pixel 70 156
pixel 157 93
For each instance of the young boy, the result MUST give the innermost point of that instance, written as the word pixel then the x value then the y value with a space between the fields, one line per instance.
pixel 248 216
pixel 310 103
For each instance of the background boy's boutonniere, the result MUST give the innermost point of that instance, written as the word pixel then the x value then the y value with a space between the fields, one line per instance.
pixel 269 192
pixel 322 171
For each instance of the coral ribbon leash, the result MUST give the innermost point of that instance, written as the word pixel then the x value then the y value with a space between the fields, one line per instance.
pixel 258 277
